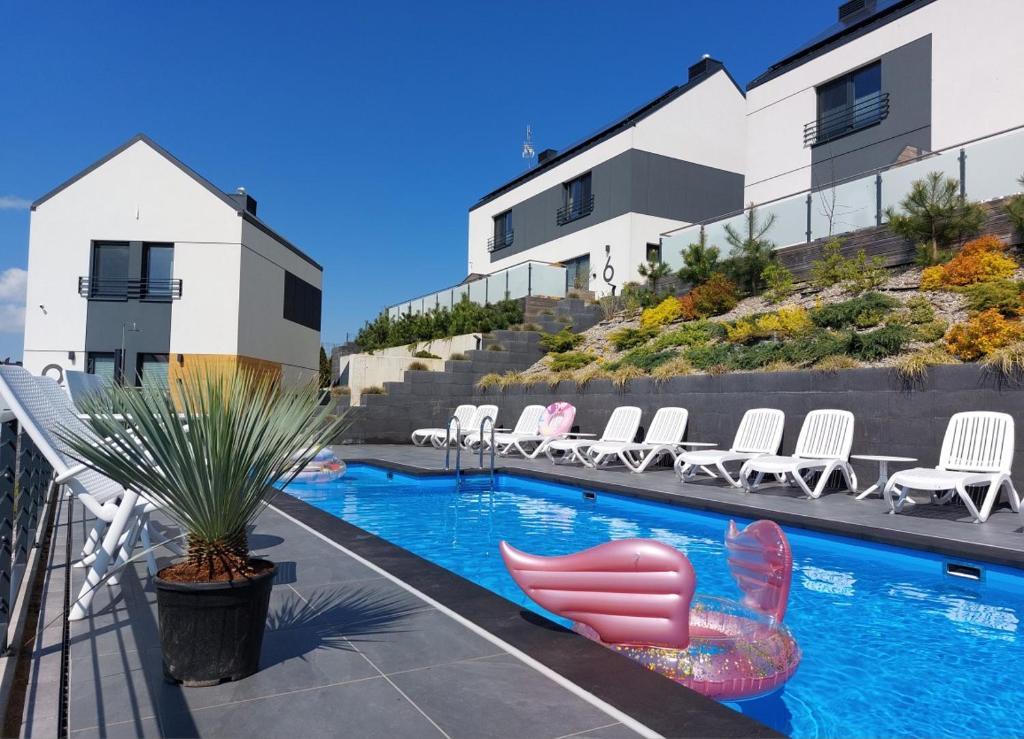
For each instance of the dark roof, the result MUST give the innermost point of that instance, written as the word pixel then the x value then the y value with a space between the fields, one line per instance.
pixel 223 196
pixel 609 131
pixel 856 25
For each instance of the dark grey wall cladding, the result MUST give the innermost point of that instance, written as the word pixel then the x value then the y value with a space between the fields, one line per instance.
pixel 891 419
pixel 632 182
pixel 907 77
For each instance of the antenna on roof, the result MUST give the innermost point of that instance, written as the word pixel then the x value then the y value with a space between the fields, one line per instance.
pixel 240 191
pixel 528 147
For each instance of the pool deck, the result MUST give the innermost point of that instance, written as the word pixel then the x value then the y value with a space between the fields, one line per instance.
pixel 350 649
pixel 946 530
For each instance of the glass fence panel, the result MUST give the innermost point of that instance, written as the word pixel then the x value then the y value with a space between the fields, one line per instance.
pixel 458 292
pixel 672 246
pixel 548 281
pixel 790 225
pixel 478 292
pixel 844 208
pixel 994 166
pixel 896 182
pixel 518 281
pixel 717 236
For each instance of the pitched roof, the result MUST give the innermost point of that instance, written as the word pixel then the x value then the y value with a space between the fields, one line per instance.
pixel 631 119
pixel 842 32
pixel 223 196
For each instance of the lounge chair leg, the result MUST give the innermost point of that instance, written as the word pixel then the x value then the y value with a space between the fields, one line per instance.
pixel 104 555
pixel 94 537
pixel 728 478
pixel 147 545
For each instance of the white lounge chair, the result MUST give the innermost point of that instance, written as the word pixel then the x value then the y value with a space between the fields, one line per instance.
pixel 435 436
pixel 525 428
pixel 482 414
pixel 759 433
pixel 42 408
pixel 976 450
pixel 823 446
pixel 666 431
pixel 620 429
pixel 82 385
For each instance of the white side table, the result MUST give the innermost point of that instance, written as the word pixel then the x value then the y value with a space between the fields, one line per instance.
pixel 883 471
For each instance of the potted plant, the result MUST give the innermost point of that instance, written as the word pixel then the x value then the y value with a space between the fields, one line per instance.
pixel 208 454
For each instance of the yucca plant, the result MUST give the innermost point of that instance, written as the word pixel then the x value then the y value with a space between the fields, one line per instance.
pixel 208 453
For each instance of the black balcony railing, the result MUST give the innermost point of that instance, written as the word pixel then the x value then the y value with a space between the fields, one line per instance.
pixel 577 209
pixel 500 241
pixel 107 288
pixel 841 122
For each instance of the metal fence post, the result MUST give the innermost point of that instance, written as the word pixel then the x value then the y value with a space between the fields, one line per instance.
pixel 963 173
pixel 809 201
pixel 878 199
pixel 529 279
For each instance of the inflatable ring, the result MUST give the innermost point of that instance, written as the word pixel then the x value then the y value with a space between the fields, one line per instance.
pixel 557 419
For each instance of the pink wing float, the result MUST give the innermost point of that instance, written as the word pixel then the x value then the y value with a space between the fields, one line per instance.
pixel 636 596
pixel 557 419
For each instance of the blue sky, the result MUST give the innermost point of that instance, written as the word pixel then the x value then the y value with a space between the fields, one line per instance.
pixel 365 130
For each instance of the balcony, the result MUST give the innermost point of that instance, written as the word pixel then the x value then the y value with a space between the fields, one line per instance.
pixel 575 210
pixel 107 288
pixel 839 123
pixel 500 241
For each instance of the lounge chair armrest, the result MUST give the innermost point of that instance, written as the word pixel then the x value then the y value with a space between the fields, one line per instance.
pixel 71 473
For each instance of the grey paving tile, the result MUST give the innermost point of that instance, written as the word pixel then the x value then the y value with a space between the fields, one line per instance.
pixel 97 701
pixel 372 708
pixel 147 727
pixel 292 660
pixel 365 606
pixel 322 570
pixel 614 731
pixel 503 693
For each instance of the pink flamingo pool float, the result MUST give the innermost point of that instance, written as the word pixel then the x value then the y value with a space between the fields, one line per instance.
pixel 636 596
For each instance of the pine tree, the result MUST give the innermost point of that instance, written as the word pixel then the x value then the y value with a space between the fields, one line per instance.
pixel 700 261
pixel 935 216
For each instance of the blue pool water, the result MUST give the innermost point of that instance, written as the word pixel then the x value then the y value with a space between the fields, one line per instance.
pixel 892 645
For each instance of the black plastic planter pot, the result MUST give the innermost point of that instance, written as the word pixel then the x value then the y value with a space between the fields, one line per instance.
pixel 212 632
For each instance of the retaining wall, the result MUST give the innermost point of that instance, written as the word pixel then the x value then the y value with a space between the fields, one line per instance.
pixel 891 417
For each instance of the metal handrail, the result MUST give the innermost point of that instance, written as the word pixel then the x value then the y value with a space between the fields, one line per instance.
pixel 568 213
pixel 458 447
pixel 482 422
pixel 840 122
pixel 116 288
pixel 500 241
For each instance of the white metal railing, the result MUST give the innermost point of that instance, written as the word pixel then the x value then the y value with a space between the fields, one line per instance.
pixel 519 281
pixel 987 168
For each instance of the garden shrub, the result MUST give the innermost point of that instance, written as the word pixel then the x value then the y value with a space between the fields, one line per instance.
pixel 980 260
pixel 636 296
pixel 716 296
pixel 920 310
pixel 1007 361
pixel 675 367
pixel 829 270
pixel 642 358
pixel 424 354
pixel 563 341
pixel 709 355
pixel 458 356
pixel 836 362
pixel 757 356
pixel 778 283
pixel 929 332
pixel 1003 295
pixel 420 366
pixel 689 334
pixel 788 322
pixel 878 344
pixel 914 367
pixel 816 346
pixel 373 390
pixel 630 338
pixel 569 361
pixel 465 317
pixel 982 334
pixel 845 314
pixel 861 274
pixel 667 311
pixel 741 331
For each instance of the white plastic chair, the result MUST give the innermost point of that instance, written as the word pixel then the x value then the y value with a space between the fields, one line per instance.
pixel 759 433
pixel 525 428
pixel 667 429
pixel 435 436
pixel 42 408
pixel 620 429
pixel 976 450
pixel 823 446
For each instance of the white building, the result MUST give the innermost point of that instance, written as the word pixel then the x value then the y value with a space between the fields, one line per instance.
pixel 891 79
pixel 604 201
pixel 139 268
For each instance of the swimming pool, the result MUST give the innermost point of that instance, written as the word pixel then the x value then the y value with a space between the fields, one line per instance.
pixel 892 645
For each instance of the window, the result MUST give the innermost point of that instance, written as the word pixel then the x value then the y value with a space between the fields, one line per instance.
pixel 577 200
pixel 109 275
pixel 301 302
pixel 503 233
pixel 151 371
pixel 654 252
pixel 577 273
pixel 102 364
pixel 158 270
pixel 849 103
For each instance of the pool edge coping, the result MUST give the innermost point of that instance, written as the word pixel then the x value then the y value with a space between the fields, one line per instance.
pixel 659 704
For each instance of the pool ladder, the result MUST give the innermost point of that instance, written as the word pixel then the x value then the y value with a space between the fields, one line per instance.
pixel 458 447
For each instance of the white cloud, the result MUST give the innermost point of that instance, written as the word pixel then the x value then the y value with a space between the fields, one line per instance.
pixel 12 285
pixel 12 318
pixel 13 202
